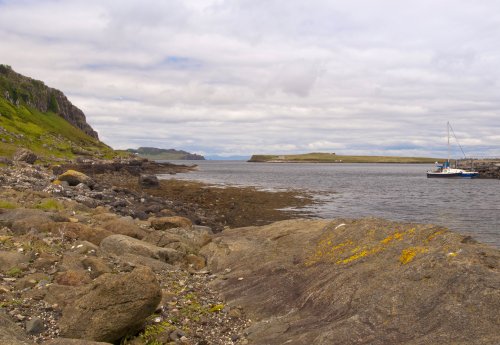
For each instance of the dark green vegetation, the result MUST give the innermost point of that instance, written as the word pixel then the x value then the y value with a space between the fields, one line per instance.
pixel 165 154
pixel 318 157
pixel 41 119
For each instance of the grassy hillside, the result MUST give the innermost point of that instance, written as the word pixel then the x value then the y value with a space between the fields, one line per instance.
pixel 45 133
pixel 317 157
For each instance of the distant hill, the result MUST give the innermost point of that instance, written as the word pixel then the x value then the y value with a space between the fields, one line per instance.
pixel 42 119
pixel 320 157
pixel 165 154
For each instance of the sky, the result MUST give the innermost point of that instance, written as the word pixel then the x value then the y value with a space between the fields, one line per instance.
pixel 379 77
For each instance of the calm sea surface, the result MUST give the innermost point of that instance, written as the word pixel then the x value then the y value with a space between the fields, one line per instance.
pixel 393 191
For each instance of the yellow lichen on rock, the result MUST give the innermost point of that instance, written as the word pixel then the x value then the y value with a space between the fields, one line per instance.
pixel 408 254
pixel 434 235
pixel 347 251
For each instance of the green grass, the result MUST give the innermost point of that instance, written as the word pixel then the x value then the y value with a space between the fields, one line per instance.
pixel 49 205
pixel 47 134
pixel 7 204
pixel 14 272
pixel 333 158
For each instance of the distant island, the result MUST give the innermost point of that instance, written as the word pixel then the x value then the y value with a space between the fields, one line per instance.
pixel 154 153
pixel 321 157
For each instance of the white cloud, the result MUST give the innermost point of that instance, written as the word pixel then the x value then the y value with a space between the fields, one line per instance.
pixel 242 77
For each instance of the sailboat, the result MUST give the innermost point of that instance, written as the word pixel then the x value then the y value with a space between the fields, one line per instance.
pixel 444 170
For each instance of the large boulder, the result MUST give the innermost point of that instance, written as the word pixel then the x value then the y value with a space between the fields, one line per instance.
pixel 10 333
pixel 119 245
pixel 363 281
pixel 25 155
pixel 115 305
pixel 74 178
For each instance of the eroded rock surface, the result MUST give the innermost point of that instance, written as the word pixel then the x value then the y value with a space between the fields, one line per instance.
pixel 113 307
pixel 359 282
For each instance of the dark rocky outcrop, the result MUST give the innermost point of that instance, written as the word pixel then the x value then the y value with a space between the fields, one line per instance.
pixel 149 181
pixel 487 168
pixel 20 89
pixel 359 282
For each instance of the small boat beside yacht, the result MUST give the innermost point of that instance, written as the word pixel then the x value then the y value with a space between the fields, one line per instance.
pixel 445 170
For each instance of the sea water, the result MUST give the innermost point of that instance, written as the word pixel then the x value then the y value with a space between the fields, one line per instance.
pixel 400 192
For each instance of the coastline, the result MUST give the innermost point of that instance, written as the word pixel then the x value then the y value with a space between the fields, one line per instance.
pixel 252 276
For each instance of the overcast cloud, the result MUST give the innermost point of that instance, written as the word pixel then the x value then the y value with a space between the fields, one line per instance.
pixel 274 76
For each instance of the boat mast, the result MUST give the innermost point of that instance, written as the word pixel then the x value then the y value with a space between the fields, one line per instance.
pixel 448 129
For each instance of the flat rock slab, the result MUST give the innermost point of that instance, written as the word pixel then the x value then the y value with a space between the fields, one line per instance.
pixel 366 281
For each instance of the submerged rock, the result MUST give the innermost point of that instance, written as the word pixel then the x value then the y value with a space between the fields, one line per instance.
pixel 359 282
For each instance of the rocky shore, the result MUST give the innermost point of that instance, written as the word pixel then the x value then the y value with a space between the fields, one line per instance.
pixel 101 252
pixel 74 264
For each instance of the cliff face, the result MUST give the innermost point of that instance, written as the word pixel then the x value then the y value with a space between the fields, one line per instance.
pixel 19 89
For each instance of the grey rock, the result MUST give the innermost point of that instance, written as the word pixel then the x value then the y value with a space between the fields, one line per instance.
pixel 34 326
pixel 87 201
